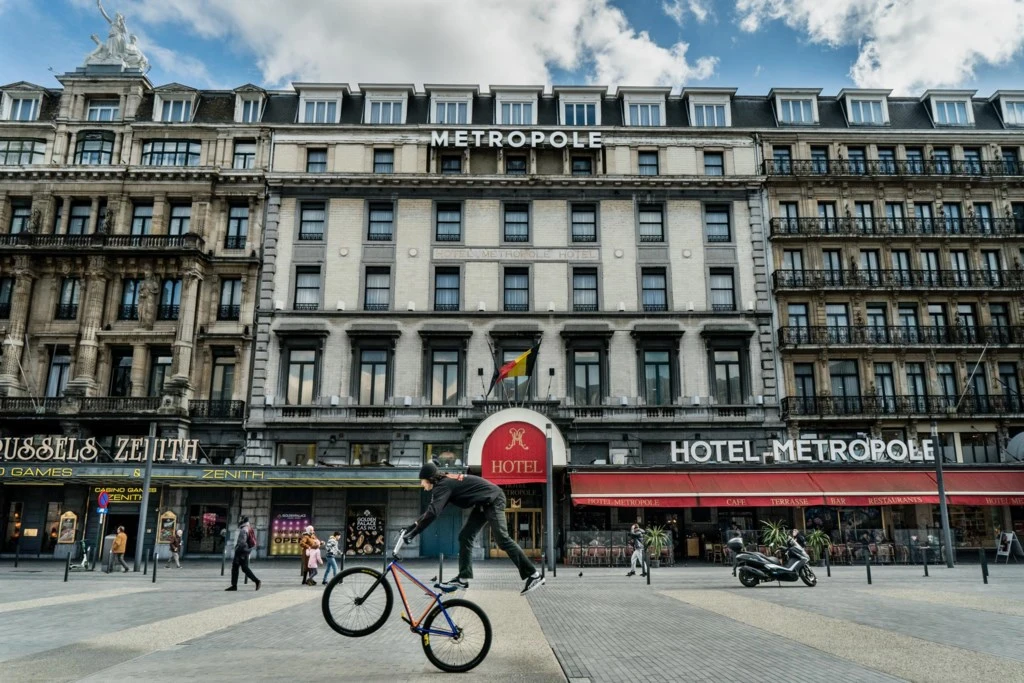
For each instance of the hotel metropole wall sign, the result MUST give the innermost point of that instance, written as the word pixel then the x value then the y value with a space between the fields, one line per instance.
pixel 516 138
pixel 72 449
pixel 804 450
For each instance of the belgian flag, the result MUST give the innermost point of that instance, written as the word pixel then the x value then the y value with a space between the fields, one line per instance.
pixel 521 366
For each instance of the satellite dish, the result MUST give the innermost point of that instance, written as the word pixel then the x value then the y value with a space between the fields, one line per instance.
pixel 1015 448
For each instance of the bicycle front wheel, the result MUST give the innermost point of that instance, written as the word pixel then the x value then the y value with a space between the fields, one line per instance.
pixel 470 642
pixel 349 605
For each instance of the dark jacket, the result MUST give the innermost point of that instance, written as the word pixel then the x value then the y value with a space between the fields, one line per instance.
pixel 462 491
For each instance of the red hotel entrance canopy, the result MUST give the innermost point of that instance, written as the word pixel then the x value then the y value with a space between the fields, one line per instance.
pixel 792 489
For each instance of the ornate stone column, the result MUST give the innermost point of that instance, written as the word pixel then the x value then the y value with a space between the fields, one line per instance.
pixel 85 381
pixel 14 343
pixel 184 340
pixel 139 363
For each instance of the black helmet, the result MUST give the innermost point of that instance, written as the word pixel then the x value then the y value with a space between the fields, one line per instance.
pixel 428 471
pixel 243 520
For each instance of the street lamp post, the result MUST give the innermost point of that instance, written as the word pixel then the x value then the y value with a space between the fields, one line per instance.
pixel 947 540
pixel 140 537
pixel 550 504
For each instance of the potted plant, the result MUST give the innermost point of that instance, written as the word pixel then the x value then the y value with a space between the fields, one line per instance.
pixel 818 543
pixel 774 535
pixel 657 539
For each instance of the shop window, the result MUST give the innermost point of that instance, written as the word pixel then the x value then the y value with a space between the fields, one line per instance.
pixel 370 454
pixel 205 523
pixel 296 454
pixel 52 530
pixel 13 532
pixel 979 447
pixel 445 455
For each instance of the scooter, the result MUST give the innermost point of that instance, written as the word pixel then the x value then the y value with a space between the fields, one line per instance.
pixel 82 563
pixel 755 568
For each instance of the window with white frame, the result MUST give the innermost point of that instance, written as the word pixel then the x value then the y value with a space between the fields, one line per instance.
pixel 709 114
pixel 23 108
pixel 1014 112
pixel 644 114
pixel 951 113
pixel 320 111
pixel 175 110
pixel 386 112
pixel 451 111
pixel 867 112
pixel 104 110
pixel 579 113
pixel 516 113
pixel 250 111
pixel 792 110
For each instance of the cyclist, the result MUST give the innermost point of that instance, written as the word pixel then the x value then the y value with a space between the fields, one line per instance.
pixel 488 504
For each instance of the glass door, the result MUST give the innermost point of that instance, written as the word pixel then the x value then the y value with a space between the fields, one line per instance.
pixel 525 526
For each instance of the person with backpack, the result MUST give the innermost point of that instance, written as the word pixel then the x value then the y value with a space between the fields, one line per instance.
pixel 333 551
pixel 636 540
pixel 313 560
pixel 244 543
pixel 487 502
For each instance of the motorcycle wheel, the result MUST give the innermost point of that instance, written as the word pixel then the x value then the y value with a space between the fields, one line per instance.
pixel 748 579
pixel 808 577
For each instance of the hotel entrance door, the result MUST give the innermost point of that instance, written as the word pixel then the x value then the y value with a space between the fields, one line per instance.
pixel 525 526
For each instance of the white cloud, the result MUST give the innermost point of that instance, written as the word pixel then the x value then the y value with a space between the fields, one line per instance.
pixel 677 9
pixel 464 41
pixel 906 45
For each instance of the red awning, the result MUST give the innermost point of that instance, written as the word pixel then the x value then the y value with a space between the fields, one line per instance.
pixel 985 488
pixel 755 489
pixel 876 487
pixel 633 489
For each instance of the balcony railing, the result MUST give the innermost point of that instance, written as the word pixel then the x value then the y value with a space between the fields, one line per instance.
pixel 66 312
pixel 234 242
pixel 891 167
pixel 30 405
pixel 901 335
pixel 897 279
pixel 168 311
pixel 120 405
pixel 115 406
pixel 886 227
pixel 229 312
pixel 874 406
pixel 128 312
pixel 217 410
pixel 190 242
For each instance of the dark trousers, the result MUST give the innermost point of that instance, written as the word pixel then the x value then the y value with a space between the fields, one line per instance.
pixel 241 561
pixel 493 514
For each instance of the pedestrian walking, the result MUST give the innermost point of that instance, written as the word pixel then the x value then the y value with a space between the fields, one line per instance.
pixel 118 548
pixel 488 504
pixel 313 560
pixel 305 543
pixel 244 543
pixel 175 548
pixel 636 540
pixel 333 552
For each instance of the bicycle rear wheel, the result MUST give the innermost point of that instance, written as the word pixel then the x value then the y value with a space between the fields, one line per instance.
pixel 471 642
pixel 347 607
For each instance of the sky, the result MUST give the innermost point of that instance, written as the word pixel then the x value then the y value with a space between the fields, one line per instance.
pixel 905 46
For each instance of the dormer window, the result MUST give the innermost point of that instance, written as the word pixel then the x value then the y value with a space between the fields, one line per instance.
pixel 951 113
pixel 385 108
pixel 865 107
pixel 711 115
pixel 644 108
pixel 175 110
pixel 23 108
pixel 796 110
pixel 579 113
pixel 320 111
pixel 104 110
pixel 516 108
pixel 1014 112
pixel 249 111
pixel 389 111
pixel 866 112
pixel 516 113
pixel 451 108
pixel 319 103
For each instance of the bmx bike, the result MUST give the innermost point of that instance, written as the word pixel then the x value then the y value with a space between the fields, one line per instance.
pixel 455 633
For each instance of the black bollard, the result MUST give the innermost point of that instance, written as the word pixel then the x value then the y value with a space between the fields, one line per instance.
pixel 647 568
pixel 543 564
pixel 867 563
pixel 92 563
pixel 17 551
pixel 342 562
pixel 67 567
pixel 156 561
pixel 440 568
pixel 223 559
pixel 984 565
pixel 828 565
pixel 925 558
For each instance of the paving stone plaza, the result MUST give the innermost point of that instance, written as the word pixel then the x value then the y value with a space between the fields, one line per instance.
pixel 692 623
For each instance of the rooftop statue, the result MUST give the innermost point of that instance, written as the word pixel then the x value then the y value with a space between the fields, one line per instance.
pixel 120 48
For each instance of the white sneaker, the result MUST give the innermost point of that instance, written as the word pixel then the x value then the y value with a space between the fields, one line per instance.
pixel 532 583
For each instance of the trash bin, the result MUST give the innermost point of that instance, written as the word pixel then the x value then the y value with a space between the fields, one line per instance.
pixel 106 557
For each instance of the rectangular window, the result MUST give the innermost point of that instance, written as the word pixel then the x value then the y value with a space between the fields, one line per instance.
pixel 444 377
pixel 451 164
pixel 946 375
pixel 951 112
pixel 452 113
pixel 916 388
pixel 886 160
pixel 797 315
pixel 845 386
pixel 645 115
pixel 378 289
pixel 714 163
pixel 972 161
pixel 121 372
pixel 796 111
pixel 584 289
pixel 383 161
pixel 516 113
pixel 171 153
pixel 159 371
pixel 130 290
pixel 723 296
pixel 654 294
pixel 586 366
pixel 181 219
pixel 382 222
pixel 647 163
pixel 942 160
pixel 446 289
pixel 803 382
pixel 517 289
pixel 142 219
pixel 582 166
pixel 716 223
pixel 67 305
pixel 584 222
pixel 313 217
pixel 24 109
pixel 373 377
pixel 517 223
pixel 657 378
pixel 652 224
pixel 728 380
pixel 386 112
pixel 21 217
pixel 1010 387
pixel 222 384
pixel 103 110
pixel 316 161
pixel 230 306
pixel 866 112
pixel 60 370
pixel 94 148
pixel 176 111
pixel 6 291
pixel 709 115
pixel 238 227
pixel 915 160
pixel 858 160
pixel 832 260
pixel 307 288
pixel 250 111
pixel 321 111
pixel 245 155
pixel 517 388
pixel 449 222
pixel 885 388
pixel 580 114
pixel 837 320
pixel 301 376
pixel 515 164
pixel 170 300
pixel 782 160
pixel 21 152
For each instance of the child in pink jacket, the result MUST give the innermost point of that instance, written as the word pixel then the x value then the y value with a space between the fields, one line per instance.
pixel 314 561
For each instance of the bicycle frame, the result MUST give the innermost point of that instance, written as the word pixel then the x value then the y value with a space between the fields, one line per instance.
pixel 394 568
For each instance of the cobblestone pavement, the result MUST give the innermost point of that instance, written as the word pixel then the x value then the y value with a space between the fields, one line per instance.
pixel 691 624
